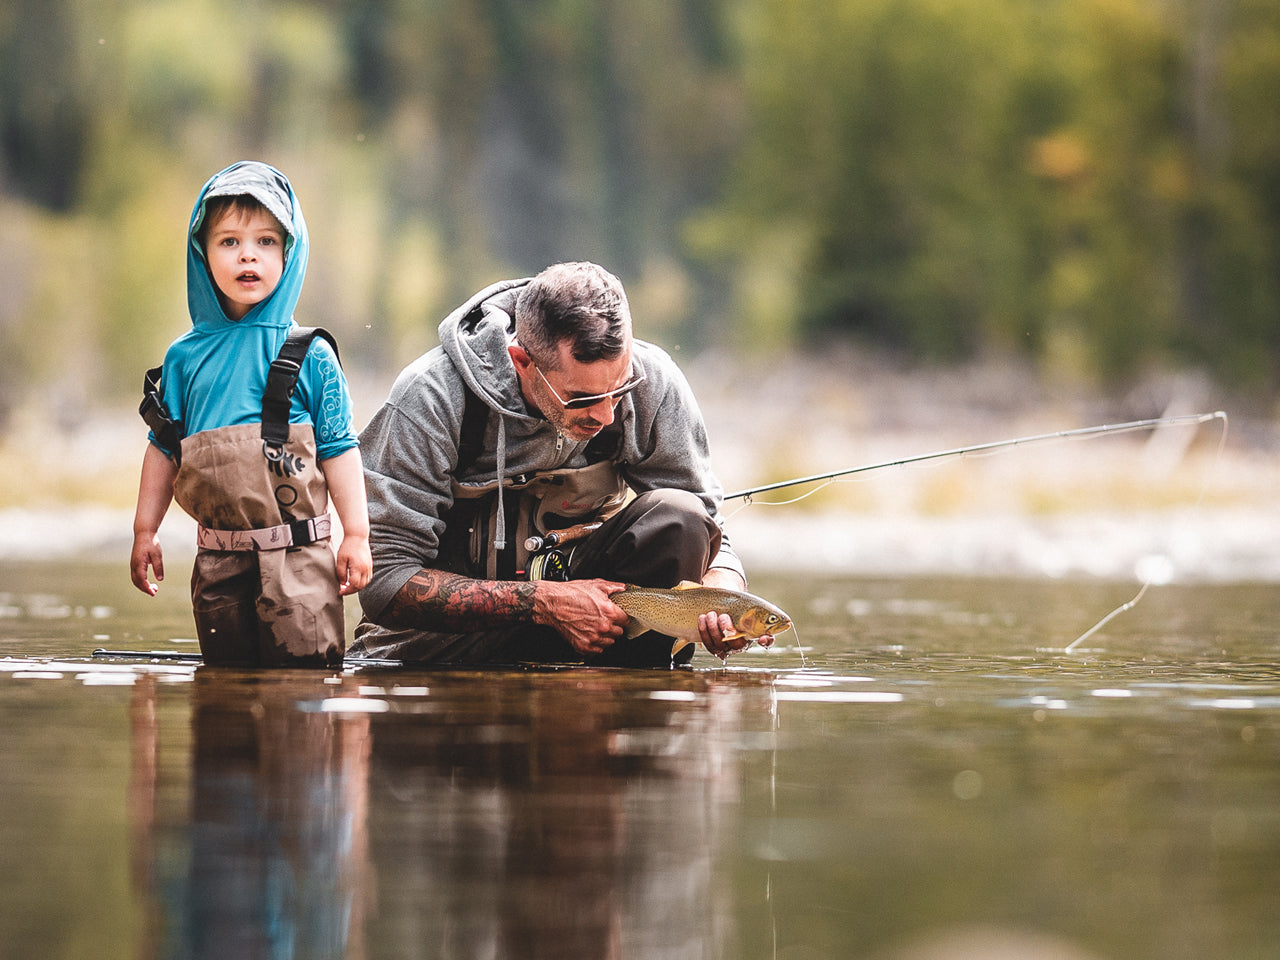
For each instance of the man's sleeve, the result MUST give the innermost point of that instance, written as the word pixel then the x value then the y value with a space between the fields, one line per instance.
pixel 408 460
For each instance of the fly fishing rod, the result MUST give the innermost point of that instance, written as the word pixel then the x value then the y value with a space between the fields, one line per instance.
pixel 181 656
pixel 173 655
pixel 561 537
pixel 1151 424
pixel 1149 576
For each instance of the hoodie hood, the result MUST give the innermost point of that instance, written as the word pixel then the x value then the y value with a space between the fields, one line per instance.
pixel 272 189
pixel 475 338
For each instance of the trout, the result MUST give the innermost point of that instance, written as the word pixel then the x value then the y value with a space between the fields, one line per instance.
pixel 675 612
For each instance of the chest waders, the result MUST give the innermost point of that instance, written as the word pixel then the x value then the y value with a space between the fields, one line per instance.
pixel 535 505
pixel 264 588
pixel 656 538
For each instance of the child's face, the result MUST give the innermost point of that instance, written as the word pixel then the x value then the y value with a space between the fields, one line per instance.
pixel 245 253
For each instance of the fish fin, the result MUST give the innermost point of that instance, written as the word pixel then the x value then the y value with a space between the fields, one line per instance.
pixel 679 644
pixel 633 628
pixel 686 585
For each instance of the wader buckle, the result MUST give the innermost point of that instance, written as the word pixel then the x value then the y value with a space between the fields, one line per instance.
pixel 307 532
pixel 296 533
pixel 284 367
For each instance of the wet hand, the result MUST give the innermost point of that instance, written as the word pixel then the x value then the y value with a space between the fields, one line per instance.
pixel 717 634
pixel 146 555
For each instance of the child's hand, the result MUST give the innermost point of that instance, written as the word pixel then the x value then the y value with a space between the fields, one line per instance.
pixel 355 565
pixel 146 554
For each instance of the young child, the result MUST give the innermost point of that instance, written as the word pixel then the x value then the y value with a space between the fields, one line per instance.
pixel 251 455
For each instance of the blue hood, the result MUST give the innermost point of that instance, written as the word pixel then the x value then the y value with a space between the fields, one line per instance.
pixel 214 373
pixel 272 189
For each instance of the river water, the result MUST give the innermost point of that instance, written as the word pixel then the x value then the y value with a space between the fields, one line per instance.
pixel 922 773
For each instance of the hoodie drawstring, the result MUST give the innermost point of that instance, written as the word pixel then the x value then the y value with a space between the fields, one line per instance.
pixel 500 534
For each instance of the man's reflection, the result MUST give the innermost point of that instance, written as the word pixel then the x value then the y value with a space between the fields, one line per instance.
pixel 548 816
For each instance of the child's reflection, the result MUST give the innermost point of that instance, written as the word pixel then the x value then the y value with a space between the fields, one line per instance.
pixel 272 861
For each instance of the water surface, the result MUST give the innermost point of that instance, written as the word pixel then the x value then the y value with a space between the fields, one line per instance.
pixel 931 772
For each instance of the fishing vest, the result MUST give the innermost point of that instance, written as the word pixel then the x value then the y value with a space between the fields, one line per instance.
pixel 534 503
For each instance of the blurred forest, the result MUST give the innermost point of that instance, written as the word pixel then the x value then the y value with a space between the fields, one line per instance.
pixel 1092 186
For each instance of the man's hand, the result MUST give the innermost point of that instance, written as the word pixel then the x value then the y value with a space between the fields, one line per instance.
pixel 713 627
pixel 582 611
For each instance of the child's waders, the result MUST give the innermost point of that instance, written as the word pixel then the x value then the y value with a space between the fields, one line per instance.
pixel 264 588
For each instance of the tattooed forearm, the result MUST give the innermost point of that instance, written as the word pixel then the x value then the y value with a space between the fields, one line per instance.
pixel 439 600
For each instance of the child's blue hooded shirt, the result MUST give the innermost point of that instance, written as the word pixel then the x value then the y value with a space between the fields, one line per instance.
pixel 215 373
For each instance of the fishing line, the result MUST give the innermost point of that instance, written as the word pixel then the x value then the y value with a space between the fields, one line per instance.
pixel 1123 608
pixel 799 649
pixel 1155 571
pixel 747 501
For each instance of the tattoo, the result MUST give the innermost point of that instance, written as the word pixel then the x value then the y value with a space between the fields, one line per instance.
pixel 439 600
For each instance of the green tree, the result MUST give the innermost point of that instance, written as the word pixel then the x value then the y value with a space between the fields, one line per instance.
pixel 1088 182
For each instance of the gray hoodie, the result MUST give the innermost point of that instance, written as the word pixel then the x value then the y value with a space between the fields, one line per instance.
pixel 410 447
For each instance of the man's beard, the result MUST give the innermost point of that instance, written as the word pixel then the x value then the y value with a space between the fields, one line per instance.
pixel 574 424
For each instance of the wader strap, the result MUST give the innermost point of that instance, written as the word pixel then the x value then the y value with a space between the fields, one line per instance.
pixel 282 379
pixel 299 533
pixel 167 431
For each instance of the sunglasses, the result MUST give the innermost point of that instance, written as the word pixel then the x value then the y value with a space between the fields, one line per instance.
pixel 582 403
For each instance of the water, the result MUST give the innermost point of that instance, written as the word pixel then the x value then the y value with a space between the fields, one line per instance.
pixel 933 778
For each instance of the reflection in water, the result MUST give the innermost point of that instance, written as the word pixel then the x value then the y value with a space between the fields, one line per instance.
pixel 270 860
pixel 541 815
pixel 552 816
pixel 936 776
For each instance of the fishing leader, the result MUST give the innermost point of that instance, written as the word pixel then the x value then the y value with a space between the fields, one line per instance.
pixel 539 420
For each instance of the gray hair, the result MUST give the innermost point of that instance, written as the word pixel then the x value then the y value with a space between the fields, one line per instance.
pixel 579 302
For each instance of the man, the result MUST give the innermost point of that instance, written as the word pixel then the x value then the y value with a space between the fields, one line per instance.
pixel 538 389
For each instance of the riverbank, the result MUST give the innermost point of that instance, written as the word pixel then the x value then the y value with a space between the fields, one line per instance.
pixel 1203 505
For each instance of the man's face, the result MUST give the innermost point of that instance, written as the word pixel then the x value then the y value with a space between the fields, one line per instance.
pixel 245 253
pixel 550 390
